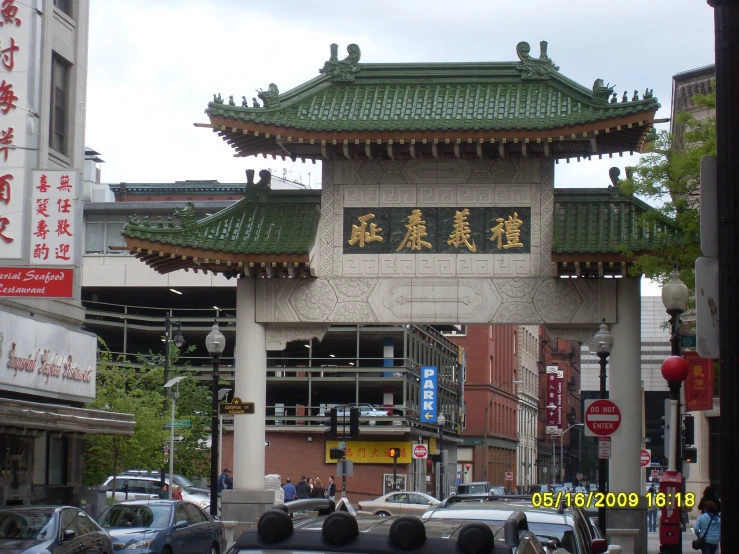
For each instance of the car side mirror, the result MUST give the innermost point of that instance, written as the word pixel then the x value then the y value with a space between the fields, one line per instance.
pixel 181 524
pixel 598 546
pixel 68 535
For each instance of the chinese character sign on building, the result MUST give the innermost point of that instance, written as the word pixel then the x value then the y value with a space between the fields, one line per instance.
pixel 437 230
pixel 15 19
pixel 53 212
pixel 699 383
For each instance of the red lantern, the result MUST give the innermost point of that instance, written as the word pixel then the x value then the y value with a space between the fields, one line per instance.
pixel 675 369
pixel 468 466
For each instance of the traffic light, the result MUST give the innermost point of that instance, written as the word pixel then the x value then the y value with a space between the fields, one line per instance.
pixel 336 454
pixel 354 414
pixel 394 452
pixel 690 455
pixel 688 430
pixel 333 423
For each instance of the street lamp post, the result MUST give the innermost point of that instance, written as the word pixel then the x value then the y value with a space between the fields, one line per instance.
pixel 215 342
pixel 675 296
pixel 174 395
pixel 441 420
pixel 485 427
pixel 223 393
pixel 603 342
pixel 562 449
pixel 179 340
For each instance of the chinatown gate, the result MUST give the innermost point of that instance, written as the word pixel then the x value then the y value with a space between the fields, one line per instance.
pixel 437 206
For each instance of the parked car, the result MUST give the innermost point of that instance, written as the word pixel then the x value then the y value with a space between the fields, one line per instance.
pixel 141 487
pixel 179 480
pixel 570 528
pixel 366 410
pixel 475 488
pixel 51 530
pixel 163 527
pixel 398 504
pixel 277 532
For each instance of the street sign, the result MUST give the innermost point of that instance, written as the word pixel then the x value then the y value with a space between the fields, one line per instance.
pixel 509 476
pixel 602 418
pixel 646 457
pixel 179 438
pixel 236 407
pixel 604 448
pixel 420 452
pixel 179 423
pixel 345 468
pixel 655 473
pixel 429 390
pixel 579 476
pixel 688 341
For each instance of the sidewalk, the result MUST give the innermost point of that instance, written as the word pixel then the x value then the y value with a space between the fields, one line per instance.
pixel 688 536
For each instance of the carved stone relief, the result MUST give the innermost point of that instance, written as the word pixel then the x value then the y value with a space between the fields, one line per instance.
pixel 437 300
pixel 278 335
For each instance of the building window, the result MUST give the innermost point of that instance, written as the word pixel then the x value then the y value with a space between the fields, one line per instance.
pixel 59 103
pixel 64 5
pixel 103 231
pixel 57 466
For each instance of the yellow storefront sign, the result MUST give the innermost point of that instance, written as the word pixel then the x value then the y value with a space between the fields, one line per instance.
pixel 372 452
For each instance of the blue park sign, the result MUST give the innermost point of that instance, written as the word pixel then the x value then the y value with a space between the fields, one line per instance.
pixel 429 394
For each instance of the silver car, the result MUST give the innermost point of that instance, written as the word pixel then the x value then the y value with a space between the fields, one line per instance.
pixel 398 504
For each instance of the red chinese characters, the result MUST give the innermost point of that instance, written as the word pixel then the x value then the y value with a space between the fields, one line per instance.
pixel 9 13
pixel 6 141
pixel 7 97
pixel 7 55
pixel 53 218
pixel 5 188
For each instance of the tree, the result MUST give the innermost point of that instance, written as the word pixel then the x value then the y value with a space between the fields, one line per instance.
pixel 669 174
pixel 118 389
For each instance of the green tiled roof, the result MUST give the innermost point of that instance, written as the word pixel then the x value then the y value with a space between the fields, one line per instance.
pixel 604 221
pixel 268 222
pixel 526 95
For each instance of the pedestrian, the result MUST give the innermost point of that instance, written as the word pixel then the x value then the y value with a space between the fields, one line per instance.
pixel 652 511
pixel 318 489
pixel 303 489
pixel 310 482
pixel 708 528
pixel 177 493
pixel 289 489
pixel 225 481
pixel 709 494
pixel 331 491
pixel 164 491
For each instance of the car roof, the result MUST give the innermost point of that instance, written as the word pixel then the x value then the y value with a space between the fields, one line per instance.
pixel 36 508
pixel 341 532
pixel 149 502
pixel 499 510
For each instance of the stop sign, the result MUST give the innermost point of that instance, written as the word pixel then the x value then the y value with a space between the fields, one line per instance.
pixel 420 451
pixel 646 457
pixel 602 418
pixel 509 476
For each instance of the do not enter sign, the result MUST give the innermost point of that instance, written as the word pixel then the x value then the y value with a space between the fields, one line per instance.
pixel 602 418
pixel 420 452
pixel 646 457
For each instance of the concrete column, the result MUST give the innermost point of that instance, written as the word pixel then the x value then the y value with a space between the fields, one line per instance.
pixel 627 527
pixel 249 499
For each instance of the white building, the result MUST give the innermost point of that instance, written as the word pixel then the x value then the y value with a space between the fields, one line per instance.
pixel 528 405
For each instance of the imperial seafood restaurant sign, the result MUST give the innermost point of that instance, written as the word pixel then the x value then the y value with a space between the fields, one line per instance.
pixel 46 359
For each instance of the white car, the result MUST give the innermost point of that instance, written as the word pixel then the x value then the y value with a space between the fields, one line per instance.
pixel 366 410
pixel 142 487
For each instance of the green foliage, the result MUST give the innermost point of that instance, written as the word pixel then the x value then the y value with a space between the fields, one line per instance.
pixel 124 388
pixel 669 174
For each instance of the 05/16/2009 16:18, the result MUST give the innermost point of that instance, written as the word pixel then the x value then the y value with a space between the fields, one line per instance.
pixel 612 499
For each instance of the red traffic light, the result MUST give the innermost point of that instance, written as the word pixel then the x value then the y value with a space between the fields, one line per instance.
pixel 394 452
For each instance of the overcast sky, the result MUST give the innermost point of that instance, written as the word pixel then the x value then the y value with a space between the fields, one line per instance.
pixel 155 64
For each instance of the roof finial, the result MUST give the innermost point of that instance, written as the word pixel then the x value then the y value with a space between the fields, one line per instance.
pixel 342 71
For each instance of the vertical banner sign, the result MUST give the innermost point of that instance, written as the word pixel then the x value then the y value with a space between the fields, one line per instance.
pixel 699 383
pixel 15 21
pixel 53 213
pixel 429 393
pixel 560 399
pixel 551 407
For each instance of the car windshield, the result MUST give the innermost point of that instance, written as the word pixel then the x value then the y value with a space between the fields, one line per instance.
pixel 184 481
pixel 25 524
pixel 472 489
pixel 123 516
pixel 499 491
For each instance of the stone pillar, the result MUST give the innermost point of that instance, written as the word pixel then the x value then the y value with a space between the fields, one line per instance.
pixel 627 527
pixel 249 499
